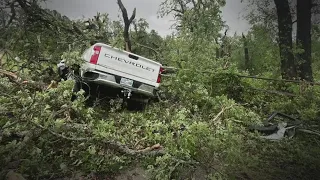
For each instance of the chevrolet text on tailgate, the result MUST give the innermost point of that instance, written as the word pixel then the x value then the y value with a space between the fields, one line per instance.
pixel 113 67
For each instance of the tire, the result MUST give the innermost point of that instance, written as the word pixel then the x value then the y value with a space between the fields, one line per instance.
pixel 77 87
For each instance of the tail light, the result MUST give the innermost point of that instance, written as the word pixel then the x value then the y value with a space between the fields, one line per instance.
pixel 159 76
pixel 95 55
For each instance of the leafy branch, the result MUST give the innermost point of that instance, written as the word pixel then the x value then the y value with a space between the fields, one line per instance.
pixel 154 150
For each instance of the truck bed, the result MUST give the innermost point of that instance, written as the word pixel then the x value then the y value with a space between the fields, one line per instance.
pixel 112 63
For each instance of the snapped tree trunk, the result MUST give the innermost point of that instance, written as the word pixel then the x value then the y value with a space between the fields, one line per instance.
pixel 221 51
pixel 288 68
pixel 304 39
pixel 246 53
pixel 127 23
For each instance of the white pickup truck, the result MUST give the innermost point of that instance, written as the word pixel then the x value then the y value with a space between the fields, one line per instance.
pixel 131 73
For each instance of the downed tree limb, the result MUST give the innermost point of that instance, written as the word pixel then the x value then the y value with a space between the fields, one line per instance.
pixel 279 80
pixel 169 69
pixel 274 92
pixel 223 109
pixel 174 70
pixel 8 74
pixel 53 84
pixel 155 150
pixel 309 131
pixel 16 79
pixel 147 47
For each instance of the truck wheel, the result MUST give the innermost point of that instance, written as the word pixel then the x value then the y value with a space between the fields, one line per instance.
pixel 77 87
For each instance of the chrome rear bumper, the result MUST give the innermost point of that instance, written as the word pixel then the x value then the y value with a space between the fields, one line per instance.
pixel 111 80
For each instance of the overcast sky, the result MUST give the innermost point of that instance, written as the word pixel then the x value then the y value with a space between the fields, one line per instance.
pixel 146 9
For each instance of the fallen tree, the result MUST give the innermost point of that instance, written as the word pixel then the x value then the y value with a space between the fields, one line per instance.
pixel 109 144
pixel 29 116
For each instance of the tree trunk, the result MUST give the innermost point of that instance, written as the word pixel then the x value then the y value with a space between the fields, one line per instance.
pixel 304 39
pixel 221 51
pixel 127 23
pixel 246 53
pixel 217 53
pixel 288 69
pixel 127 38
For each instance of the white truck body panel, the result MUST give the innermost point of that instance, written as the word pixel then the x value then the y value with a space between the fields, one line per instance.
pixel 113 62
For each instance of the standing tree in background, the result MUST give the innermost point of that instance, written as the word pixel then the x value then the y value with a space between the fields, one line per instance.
pixel 127 23
pixel 195 17
pixel 288 13
pixel 221 48
pixel 304 39
pixel 288 69
pixel 246 53
pixel 147 44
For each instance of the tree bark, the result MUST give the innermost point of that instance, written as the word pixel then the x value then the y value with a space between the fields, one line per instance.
pixel 288 69
pixel 304 39
pixel 127 23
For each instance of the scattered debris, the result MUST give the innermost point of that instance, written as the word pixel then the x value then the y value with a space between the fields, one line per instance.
pixel 278 130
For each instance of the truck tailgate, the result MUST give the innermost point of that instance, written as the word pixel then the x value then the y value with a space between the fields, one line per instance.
pixel 134 66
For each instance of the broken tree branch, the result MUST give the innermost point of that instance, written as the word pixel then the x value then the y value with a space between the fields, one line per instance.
pixel 9 74
pixel 168 70
pixel 275 92
pixel 223 109
pixel 154 150
pixel 309 131
pixel 18 80
pixel 147 47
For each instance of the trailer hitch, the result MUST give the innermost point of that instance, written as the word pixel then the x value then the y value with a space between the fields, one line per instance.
pixel 127 93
